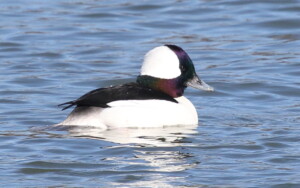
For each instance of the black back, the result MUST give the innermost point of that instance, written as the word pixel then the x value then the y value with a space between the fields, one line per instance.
pixel 131 91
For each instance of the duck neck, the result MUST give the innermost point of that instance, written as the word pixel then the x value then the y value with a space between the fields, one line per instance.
pixel 171 87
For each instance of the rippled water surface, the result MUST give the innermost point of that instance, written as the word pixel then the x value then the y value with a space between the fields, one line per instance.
pixel 55 51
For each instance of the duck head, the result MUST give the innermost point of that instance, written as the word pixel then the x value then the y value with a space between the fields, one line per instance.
pixel 169 69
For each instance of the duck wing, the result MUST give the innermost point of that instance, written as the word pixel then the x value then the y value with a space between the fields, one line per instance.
pixel 131 91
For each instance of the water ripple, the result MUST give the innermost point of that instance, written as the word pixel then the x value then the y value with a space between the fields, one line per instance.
pixel 55 51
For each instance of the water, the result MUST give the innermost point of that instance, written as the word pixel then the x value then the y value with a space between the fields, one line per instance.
pixel 248 134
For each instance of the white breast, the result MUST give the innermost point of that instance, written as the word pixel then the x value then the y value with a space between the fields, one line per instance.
pixel 136 113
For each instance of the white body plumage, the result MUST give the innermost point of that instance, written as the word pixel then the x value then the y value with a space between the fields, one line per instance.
pixel 135 113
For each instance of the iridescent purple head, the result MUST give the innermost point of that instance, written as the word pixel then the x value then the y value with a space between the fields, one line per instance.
pixel 169 69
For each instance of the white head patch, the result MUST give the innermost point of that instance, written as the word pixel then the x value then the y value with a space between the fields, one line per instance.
pixel 161 62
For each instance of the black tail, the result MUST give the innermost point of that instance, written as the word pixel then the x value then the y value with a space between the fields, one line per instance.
pixel 69 104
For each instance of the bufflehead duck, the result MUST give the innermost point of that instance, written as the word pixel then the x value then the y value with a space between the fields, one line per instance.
pixel 154 100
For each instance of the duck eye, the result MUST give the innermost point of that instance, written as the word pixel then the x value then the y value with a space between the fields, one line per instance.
pixel 182 68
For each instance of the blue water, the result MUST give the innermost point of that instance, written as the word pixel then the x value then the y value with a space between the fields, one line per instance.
pixel 55 51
